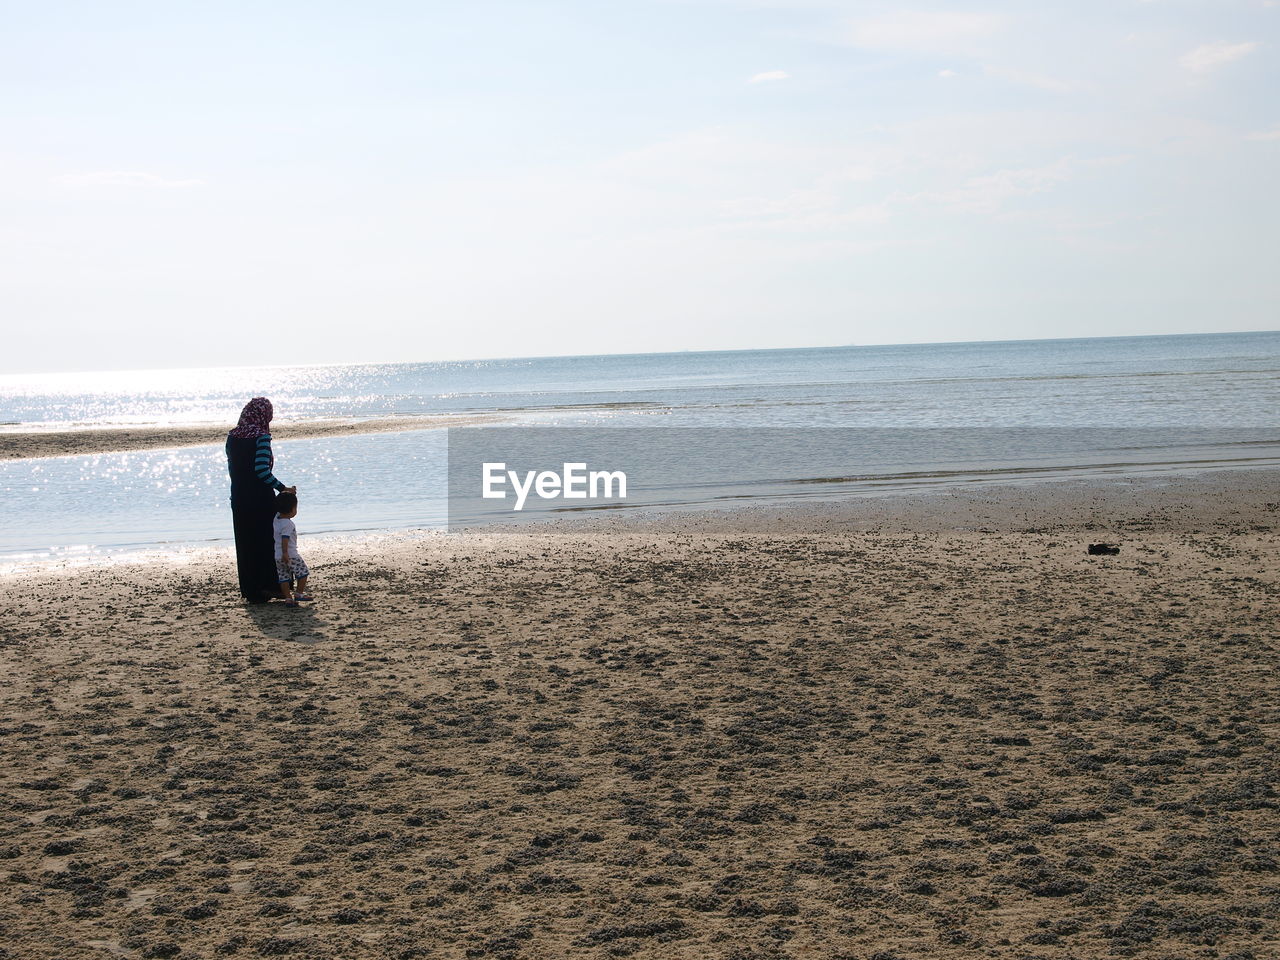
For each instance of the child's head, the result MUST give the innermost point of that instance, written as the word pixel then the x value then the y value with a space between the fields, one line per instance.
pixel 286 504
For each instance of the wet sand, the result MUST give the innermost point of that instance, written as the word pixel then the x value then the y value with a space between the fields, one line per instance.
pixel 894 729
pixel 19 445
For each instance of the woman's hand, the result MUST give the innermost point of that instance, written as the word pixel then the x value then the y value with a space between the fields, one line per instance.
pixel 293 490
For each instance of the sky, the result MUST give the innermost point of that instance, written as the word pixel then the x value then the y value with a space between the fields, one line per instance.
pixel 196 184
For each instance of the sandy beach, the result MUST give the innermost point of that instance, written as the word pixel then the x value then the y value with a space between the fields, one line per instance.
pixel 25 444
pixel 910 728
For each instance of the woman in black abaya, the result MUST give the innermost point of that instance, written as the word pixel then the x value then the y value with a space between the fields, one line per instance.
pixel 253 493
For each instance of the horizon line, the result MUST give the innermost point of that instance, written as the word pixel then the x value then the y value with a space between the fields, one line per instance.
pixel 643 353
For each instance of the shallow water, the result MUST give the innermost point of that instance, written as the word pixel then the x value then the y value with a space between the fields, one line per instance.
pixel 1176 386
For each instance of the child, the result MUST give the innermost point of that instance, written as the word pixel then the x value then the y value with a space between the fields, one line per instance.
pixel 289 563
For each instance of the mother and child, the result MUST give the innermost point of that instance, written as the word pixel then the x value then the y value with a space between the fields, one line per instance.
pixel 262 512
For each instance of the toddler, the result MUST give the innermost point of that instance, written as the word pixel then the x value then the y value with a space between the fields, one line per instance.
pixel 289 563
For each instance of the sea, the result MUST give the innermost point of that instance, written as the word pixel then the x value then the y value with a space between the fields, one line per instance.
pixel 833 422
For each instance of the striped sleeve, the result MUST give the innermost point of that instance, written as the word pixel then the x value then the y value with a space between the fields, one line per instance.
pixel 262 463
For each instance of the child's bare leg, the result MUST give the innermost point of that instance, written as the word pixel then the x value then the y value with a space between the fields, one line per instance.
pixel 302 586
pixel 286 589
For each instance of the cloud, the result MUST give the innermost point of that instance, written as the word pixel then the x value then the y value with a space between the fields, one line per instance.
pixel 1022 77
pixel 991 193
pixel 1210 56
pixel 1264 135
pixel 948 74
pixel 770 75
pixel 919 32
pixel 987 194
pixel 123 178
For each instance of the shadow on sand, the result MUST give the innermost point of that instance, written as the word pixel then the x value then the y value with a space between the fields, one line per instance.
pixel 299 624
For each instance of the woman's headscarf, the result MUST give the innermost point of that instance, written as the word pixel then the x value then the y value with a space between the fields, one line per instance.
pixel 255 419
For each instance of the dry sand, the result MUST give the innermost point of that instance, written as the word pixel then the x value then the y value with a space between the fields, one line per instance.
pixel 25 444
pixel 869 732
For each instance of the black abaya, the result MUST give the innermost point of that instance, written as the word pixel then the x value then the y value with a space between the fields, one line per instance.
pixel 252 510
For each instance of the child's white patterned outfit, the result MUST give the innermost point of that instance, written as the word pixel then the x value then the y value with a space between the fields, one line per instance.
pixel 295 568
